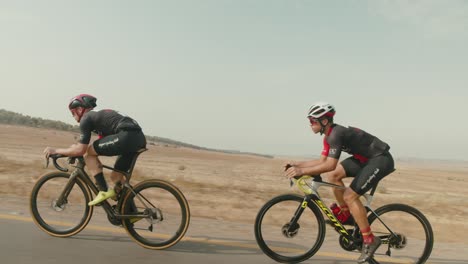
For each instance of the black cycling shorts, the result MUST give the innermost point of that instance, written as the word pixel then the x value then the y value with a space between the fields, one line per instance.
pixel 367 175
pixel 123 144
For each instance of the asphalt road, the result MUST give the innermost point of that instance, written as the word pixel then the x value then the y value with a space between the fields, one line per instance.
pixel 22 242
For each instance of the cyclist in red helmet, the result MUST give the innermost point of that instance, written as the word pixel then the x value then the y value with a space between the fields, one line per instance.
pixel 369 163
pixel 118 135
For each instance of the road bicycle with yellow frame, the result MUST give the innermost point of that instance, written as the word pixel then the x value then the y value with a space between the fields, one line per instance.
pixel 291 228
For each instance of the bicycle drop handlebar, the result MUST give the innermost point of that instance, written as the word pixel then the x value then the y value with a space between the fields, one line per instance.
pixel 54 158
pixel 317 178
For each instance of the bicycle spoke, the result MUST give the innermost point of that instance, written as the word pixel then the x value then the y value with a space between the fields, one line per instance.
pixel 410 240
pixel 286 241
pixel 59 218
pixel 163 225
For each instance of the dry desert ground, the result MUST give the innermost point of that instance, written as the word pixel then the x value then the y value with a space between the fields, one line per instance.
pixel 233 187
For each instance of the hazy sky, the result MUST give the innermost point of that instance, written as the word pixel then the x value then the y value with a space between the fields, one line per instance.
pixel 242 74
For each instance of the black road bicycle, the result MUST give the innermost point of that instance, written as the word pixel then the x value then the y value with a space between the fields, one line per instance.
pixel 291 228
pixel 153 212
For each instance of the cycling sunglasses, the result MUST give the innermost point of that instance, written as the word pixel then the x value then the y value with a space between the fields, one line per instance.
pixel 313 120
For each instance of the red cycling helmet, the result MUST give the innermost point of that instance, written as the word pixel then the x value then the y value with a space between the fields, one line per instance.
pixel 82 100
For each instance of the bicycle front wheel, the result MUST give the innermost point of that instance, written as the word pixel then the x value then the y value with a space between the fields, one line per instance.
pixel 289 241
pixel 406 234
pixel 165 210
pixel 60 218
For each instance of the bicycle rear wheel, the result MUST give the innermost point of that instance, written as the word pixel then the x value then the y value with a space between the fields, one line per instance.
pixel 408 238
pixel 166 210
pixel 60 218
pixel 286 242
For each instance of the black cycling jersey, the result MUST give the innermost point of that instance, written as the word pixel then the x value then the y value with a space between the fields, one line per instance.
pixel 104 123
pixel 354 141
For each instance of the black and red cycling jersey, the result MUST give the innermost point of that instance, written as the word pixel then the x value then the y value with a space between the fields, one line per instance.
pixel 354 141
pixel 104 123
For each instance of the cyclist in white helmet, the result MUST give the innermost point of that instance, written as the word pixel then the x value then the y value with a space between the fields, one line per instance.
pixel 369 163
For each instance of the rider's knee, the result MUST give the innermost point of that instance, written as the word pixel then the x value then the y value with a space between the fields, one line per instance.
pixel 90 153
pixel 335 176
pixel 89 158
pixel 350 196
pixel 92 161
pixel 90 149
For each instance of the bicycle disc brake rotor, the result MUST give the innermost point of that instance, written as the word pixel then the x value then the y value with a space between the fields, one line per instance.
pixel 290 231
pixel 56 207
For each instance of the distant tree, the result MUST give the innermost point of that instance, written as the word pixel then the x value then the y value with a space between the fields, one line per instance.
pixel 12 118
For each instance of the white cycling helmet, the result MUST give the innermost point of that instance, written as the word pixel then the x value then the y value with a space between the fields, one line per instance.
pixel 321 109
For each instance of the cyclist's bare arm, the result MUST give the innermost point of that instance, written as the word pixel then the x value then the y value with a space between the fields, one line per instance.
pixel 74 150
pixel 308 163
pixel 328 165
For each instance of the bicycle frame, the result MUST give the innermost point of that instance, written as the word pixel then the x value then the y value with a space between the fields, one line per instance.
pixel 312 195
pixel 80 173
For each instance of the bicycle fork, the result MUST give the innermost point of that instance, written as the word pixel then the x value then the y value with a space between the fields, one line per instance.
pixel 62 199
pixel 291 228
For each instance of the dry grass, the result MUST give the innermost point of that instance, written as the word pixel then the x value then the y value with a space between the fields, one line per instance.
pixel 234 187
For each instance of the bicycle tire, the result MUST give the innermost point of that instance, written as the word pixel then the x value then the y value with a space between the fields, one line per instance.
pixel 402 208
pixel 169 210
pixel 47 226
pixel 271 251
